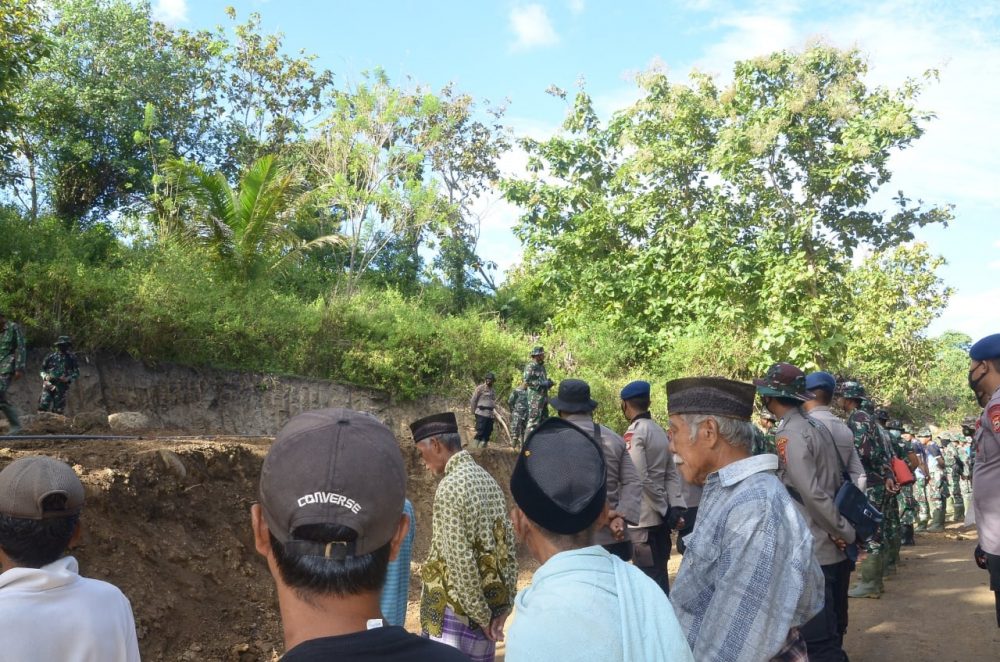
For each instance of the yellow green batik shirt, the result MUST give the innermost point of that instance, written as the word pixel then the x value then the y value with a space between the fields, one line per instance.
pixel 471 565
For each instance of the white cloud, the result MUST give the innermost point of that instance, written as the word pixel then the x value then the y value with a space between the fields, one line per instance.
pixel 994 265
pixel 532 28
pixel 171 12
pixel 975 314
pixel 577 6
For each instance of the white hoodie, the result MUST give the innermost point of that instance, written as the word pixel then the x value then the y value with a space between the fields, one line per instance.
pixel 52 614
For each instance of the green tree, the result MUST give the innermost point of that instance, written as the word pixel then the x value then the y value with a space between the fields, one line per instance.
pixel 22 43
pixel 247 230
pixel 741 205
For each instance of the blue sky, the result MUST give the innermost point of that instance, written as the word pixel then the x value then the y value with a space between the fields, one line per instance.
pixel 512 50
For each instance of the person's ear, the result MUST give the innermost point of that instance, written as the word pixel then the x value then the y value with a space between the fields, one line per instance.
pixel 710 431
pixel 520 523
pixel 397 539
pixel 74 539
pixel 261 534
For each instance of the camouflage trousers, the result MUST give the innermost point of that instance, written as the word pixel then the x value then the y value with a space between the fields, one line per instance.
pixel 877 496
pixel 5 380
pixel 538 411
pixel 891 523
pixel 937 491
pixel 517 422
pixel 53 400
pixel 966 484
pixel 955 485
pixel 907 506
pixel 920 495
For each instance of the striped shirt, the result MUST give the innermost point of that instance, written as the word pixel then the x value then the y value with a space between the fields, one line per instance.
pixel 748 575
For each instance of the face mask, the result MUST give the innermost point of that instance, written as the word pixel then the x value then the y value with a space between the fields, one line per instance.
pixel 974 383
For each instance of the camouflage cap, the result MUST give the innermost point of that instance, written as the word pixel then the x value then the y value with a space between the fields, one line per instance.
pixel 969 422
pixel 768 416
pixel 852 390
pixel 895 424
pixel 538 351
pixel 924 432
pixel 882 415
pixel 783 380
pixel 490 375
pixel 63 340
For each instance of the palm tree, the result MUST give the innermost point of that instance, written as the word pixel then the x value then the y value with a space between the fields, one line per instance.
pixel 248 230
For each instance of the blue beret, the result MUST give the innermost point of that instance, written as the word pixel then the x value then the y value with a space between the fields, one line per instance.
pixel 987 348
pixel 823 380
pixel 636 389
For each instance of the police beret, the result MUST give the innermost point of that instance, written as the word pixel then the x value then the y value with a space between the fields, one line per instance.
pixel 821 380
pixel 987 348
pixel 636 389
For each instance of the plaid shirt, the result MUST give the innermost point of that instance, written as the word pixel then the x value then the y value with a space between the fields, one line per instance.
pixel 749 575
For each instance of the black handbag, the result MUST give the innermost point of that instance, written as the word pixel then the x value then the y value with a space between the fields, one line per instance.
pixel 854 505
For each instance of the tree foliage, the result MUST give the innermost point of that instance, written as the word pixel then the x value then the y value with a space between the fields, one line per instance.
pixel 738 208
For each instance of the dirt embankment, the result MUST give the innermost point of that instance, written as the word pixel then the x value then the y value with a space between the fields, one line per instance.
pixel 168 522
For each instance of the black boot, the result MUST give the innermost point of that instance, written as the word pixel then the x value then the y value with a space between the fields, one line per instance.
pixel 908 535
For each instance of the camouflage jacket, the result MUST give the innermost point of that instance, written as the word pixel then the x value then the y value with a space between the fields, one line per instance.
pixel 58 365
pixel 870 444
pixel 518 401
pixel 13 351
pixel 536 378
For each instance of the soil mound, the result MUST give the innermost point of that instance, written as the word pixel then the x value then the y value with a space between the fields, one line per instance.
pixel 167 521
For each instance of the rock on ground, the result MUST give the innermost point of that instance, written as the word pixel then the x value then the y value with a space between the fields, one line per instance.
pixel 128 421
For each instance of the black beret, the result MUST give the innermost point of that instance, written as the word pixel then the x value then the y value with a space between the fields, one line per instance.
pixel 559 480
pixel 711 395
pixel 434 425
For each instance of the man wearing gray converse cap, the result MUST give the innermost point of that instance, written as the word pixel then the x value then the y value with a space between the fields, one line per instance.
pixel 583 603
pixel 329 520
pixel 48 610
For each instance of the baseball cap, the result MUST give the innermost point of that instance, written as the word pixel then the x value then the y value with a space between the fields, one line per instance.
pixel 821 380
pixel 25 483
pixel 334 466
pixel 559 480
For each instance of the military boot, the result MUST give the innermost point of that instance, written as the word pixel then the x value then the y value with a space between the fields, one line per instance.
pixel 937 520
pixel 949 510
pixel 960 513
pixel 15 422
pixel 870 582
pixel 908 535
pixel 921 526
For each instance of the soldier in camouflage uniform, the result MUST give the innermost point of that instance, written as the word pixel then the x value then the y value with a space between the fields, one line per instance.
pixel 893 516
pixel 920 487
pixel 518 404
pixel 763 436
pixel 906 499
pixel 59 370
pixel 537 385
pixel 875 460
pixel 954 466
pixel 937 489
pixel 13 355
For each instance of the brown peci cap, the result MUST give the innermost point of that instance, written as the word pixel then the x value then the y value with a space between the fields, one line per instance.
pixel 710 395
pixel 434 425
pixel 27 482
pixel 334 466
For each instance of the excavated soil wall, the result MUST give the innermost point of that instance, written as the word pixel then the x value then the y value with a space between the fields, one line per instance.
pixel 167 519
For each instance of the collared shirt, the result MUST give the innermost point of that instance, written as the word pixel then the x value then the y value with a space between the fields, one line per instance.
pixel 471 566
pixel 588 605
pixel 748 575
pixel 844 438
pixel 13 351
pixel 986 476
pixel 624 485
pixel 812 475
pixel 649 449
pixel 484 400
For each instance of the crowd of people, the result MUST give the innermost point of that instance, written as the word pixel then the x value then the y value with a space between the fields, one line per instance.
pixel 772 522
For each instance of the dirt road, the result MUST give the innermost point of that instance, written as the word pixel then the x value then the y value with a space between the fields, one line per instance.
pixel 938 607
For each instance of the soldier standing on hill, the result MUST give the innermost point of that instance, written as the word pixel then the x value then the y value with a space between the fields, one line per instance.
pixel 483 404
pixel 13 355
pixel 518 405
pixel 537 384
pixel 59 370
